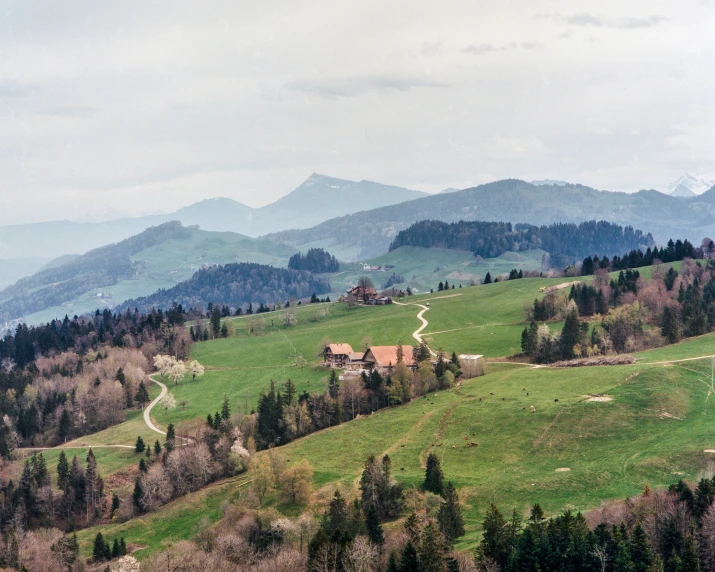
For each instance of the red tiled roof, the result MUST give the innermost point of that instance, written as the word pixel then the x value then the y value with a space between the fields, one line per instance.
pixel 340 349
pixel 384 356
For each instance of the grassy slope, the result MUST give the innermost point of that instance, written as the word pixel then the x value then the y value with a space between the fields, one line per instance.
pixel 654 430
pixel 612 449
pixel 424 268
pixel 168 263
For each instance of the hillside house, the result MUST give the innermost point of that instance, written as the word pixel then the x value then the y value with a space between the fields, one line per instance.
pixel 384 358
pixel 337 355
pixel 363 294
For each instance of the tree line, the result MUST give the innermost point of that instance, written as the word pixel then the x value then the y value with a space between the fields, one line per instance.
pixel 565 242
pixel 632 313
pixel 316 260
pixel 235 285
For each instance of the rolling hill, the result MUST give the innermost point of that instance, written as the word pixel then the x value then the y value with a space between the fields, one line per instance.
pixel 317 199
pixel 367 234
pixel 159 257
pixel 651 425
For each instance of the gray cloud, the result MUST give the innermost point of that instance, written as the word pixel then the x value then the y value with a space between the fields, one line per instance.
pixel 482 49
pixel 353 86
pixel 586 19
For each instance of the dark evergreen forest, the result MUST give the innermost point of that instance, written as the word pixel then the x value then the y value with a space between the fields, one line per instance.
pixel 565 242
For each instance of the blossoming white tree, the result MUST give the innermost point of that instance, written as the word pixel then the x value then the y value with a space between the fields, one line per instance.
pixel 177 371
pixel 196 369
pixel 127 564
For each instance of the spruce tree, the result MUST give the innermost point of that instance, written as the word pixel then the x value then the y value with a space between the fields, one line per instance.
pixel 433 475
pixel 210 421
pixel 63 472
pixel 374 528
pixel 115 505
pixel 122 547
pixel 409 561
pixel 138 495
pixel 142 466
pixel 98 548
pixel 115 549
pixel 392 564
pixel 170 438
pixel 333 384
pixel 225 409
pixel 140 446
pixel 65 425
pixel 142 395
pixel 449 517
pixel 639 550
pixel 688 557
pixel 157 448
pixel 431 551
pixel 289 391
pixel 488 278
pixel 570 335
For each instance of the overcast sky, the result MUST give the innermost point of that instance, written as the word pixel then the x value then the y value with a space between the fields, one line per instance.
pixel 148 106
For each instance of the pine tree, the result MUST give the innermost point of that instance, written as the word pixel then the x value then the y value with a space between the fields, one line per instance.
pixel 138 495
pixel 225 409
pixel 333 384
pixel 431 551
pixel 374 528
pixel 63 472
pixel 99 550
pixel 412 526
pixel 688 557
pixel 115 505
pixel 289 390
pixel 570 335
pixel 409 561
pixel 639 550
pixel 140 446
pixel 142 395
pixel 170 438
pixel 449 517
pixel 433 475
pixel 64 426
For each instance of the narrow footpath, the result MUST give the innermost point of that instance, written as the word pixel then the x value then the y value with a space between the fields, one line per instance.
pixel 147 411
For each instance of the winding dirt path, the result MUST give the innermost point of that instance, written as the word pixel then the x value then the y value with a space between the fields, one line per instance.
pixel 417 334
pixel 147 411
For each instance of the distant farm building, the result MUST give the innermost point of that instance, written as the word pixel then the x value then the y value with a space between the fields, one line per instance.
pixel 380 358
pixel 337 355
pixel 368 295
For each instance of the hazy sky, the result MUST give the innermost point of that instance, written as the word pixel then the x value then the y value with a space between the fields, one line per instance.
pixel 145 106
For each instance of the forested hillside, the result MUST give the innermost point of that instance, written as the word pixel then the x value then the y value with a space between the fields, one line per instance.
pixel 96 269
pixel 235 285
pixel 490 239
pixel 159 257
pixel 367 234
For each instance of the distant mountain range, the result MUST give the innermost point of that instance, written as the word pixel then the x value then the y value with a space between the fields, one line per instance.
pixel 367 234
pixel 318 199
pixel 158 258
pixel 688 186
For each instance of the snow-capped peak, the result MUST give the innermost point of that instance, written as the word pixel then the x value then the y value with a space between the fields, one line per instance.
pixel 689 185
